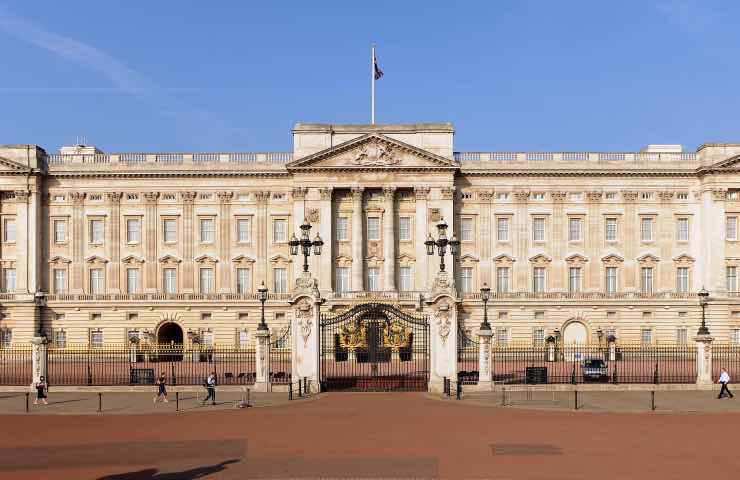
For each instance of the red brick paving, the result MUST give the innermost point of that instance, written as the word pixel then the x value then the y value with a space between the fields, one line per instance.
pixel 371 436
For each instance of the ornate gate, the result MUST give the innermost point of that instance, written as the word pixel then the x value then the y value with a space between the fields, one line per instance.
pixel 374 347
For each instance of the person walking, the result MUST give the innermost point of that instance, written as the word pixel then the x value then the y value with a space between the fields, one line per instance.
pixel 162 393
pixel 41 388
pixel 724 379
pixel 211 388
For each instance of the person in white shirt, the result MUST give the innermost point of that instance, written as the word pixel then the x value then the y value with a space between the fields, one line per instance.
pixel 211 388
pixel 724 379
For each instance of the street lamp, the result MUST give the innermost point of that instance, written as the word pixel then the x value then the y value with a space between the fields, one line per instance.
pixel 703 297
pixel 305 243
pixel 441 243
pixel 485 295
pixel 262 297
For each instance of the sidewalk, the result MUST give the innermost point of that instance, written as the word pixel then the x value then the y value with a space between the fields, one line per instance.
pixel 135 403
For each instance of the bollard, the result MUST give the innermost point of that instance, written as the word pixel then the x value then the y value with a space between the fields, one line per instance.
pixel 459 390
pixel 177 401
pixel 247 398
pixel 300 393
pixel 503 397
pixel 652 400
pixel 27 394
pixel 305 386
pixel 100 402
pixel 290 391
pixel 575 397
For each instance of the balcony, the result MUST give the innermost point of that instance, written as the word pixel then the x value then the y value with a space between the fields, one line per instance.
pixel 164 297
pixel 583 296
pixel 411 295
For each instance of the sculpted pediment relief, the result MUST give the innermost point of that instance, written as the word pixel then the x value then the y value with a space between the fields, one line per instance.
pixel 372 151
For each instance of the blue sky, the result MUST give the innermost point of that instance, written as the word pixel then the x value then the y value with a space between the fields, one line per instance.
pixel 232 76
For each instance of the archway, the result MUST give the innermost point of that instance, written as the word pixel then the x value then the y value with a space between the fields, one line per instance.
pixel 575 332
pixel 170 333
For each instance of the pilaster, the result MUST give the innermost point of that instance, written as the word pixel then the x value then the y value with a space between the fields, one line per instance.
pixel 23 264
pixel 703 360
pixel 484 236
pixel 422 230
pixel 326 262
pixel 358 240
pixel 113 245
pixel 521 242
pixel 389 239
pixel 188 237
pixel 78 242
pixel 593 240
pixel 631 240
pixel 262 380
pixel 150 238
pixel 224 241
pixel 558 277
pixel 713 239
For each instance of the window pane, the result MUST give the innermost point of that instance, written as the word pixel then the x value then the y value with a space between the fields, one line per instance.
pixel 60 231
pixel 373 228
pixel 502 228
pixel 611 279
pixel 732 279
pixel 280 280
pixel 9 231
pixel 170 230
pixel 243 280
pixel 682 230
pixel 342 280
pixel 133 231
pixel 132 280
pixel 646 229
pixel 206 280
pixel 242 230
pixel 60 281
pixel 373 279
pixel 538 229
pixel 406 283
pixel 207 230
pixel 574 279
pixel 9 279
pixel 97 281
pixel 647 280
pixel 342 233
pixel 611 229
pixel 97 231
pixel 574 229
pixel 682 279
pixel 466 276
pixel 731 228
pixel 170 280
pixel 502 279
pixel 466 234
pixel 279 230
pixel 404 228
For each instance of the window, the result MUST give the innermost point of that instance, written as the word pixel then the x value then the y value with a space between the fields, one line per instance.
pixel 406 279
pixel 610 230
pixel 279 230
pixel 502 196
pixel 170 280
pixel 404 229
pixel 735 336
pixel 611 280
pixel 280 280
pixel 682 336
pixel 466 232
pixel 9 231
pixel 243 280
pixel 610 195
pixel 60 231
pixel 169 226
pixel 60 338
pixel 502 336
pixel 575 196
pixel 731 279
pixel 682 195
pixel 8 279
pixel 208 337
pixel 646 195
pixel 539 317
pixel 538 279
pixel 243 230
pixel 133 283
pixel 373 279
pixel 646 229
pixel 342 279
pixel 342 231
pixel 731 228
pixel 574 279
pixel 6 338
pixel 538 336
pixel 538 229
pixel 97 281
pixel 646 280
pixel 682 229
pixel 207 280
pixel 96 336
pixel 207 230
pixel 682 279
pixel 97 232
pixel 373 228
pixel 243 339
pixel 466 279
pixel 133 230
pixel 575 229
pixel 502 279
pixel 646 336
pixel 502 229
pixel 538 195
pixel 60 280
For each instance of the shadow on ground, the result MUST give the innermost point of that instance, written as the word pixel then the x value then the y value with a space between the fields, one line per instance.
pixel 154 474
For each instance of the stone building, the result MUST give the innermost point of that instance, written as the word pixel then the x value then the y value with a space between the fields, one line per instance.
pixel 97 247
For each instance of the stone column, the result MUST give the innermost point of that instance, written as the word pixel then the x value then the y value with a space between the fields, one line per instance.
pixel 631 239
pixel 306 349
pixel 113 246
pixel 713 238
pixel 593 242
pixel 326 263
pixel 224 242
pixel 422 280
pixel 389 239
pixel 484 359
pixel 558 277
pixel 703 360
pixel 666 234
pixel 22 234
pixel 447 205
pixel 262 381
pixel 38 358
pixel 485 232
pixel 299 215
pixel 443 342
pixel 77 269
pixel 358 240
pixel 188 237
pixel 150 236
pixel 521 242
pixel 262 238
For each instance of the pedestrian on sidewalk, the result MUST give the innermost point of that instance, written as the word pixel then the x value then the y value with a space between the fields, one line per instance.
pixel 162 393
pixel 724 379
pixel 41 388
pixel 211 388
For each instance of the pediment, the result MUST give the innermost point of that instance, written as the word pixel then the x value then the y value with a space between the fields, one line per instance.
pixel 169 259
pixel 243 259
pixel 612 257
pixel 132 259
pixel 540 258
pixel 372 151
pixel 684 257
pixel 576 257
pixel 9 166
pixel 205 259
pixel 728 163
pixel 96 259
pixel 59 259
pixel 504 257
pixel 648 257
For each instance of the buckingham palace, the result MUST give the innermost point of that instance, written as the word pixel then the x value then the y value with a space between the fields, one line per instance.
pixel 97 247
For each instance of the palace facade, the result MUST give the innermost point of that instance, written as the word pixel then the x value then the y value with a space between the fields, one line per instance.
pixel 97 247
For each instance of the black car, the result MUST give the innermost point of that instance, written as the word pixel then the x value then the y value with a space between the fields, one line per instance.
pixel 594 370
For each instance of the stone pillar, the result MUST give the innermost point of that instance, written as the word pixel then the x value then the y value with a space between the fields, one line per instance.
pixel 713 239
pixel 612 351
pixel 484 359
pixel 703 360
pixel 631 238
pixel 326 263
pixel 262 238
pixel 358 240
pixel 485 232
pixel 389 239
pixel 113 245
pixel 77 269
pixel 443 342
pixel 262 381
pixel 38 358
pixel 558 278
pixel 306 347
pixel 22 238
pixel 224 242
pixel 188 237
pixel 551 351
pixel 150 236
pixel 300 213
pixel 422 230
pixel 521 243
pixel 593 242
pixel 448 214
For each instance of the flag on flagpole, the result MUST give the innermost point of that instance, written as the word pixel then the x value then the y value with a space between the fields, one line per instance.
pixel 377 70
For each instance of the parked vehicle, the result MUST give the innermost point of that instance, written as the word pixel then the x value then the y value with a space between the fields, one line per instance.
pixel 594 370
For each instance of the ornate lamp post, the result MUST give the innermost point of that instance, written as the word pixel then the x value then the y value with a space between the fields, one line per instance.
pixel 485 295
pixel 305 243
pixel 262 297
pixel 703 297
pixel 441 243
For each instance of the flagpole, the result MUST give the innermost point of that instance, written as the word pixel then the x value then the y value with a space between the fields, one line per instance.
pixel 372 86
